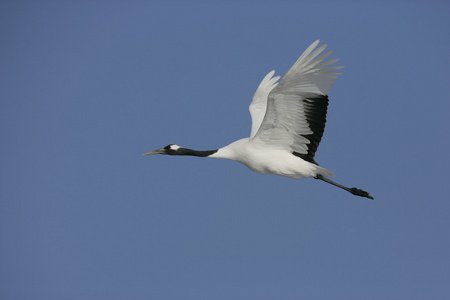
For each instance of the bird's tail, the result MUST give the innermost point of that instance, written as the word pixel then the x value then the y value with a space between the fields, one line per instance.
pixel 322 171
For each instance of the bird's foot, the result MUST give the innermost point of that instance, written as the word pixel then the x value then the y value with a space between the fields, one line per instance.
pixel 360 193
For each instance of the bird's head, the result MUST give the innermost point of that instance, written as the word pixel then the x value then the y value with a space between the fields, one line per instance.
pixel 167 150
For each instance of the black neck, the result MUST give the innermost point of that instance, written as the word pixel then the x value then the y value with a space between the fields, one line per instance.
pixel 186 151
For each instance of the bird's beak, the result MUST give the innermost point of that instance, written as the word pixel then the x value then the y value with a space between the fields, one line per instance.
pixel 159 151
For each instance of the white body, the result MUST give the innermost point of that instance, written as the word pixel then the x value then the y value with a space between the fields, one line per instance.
pixel 269 161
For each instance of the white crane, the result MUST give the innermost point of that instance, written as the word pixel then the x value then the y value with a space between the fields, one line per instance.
pixel 288 121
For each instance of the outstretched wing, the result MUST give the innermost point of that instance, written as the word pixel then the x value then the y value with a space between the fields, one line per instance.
pixel 259 103
pixel 296 108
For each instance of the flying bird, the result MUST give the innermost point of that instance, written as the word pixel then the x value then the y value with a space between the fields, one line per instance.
pixel 288 121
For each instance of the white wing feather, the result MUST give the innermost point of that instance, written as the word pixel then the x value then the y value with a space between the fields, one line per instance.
pixel 259 103
pixel 285 124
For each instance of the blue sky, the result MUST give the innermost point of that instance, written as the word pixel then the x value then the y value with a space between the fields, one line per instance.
pixel 87 87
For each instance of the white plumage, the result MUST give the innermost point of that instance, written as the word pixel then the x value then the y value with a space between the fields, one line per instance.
pixel 288 120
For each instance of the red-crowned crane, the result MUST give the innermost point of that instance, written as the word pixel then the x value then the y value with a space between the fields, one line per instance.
pixel 288 121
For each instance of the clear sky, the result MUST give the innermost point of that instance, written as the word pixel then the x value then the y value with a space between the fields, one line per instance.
pixel 86 87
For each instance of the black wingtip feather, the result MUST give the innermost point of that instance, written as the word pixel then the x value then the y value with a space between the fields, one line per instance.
pixel 316 113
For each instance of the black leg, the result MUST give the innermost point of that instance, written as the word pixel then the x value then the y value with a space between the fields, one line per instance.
pixel 353 190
